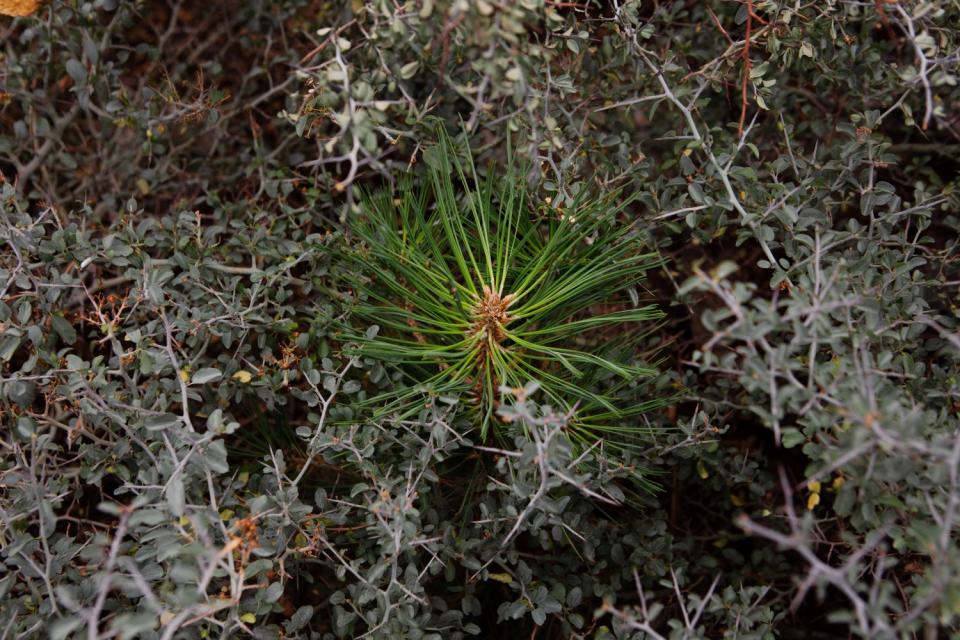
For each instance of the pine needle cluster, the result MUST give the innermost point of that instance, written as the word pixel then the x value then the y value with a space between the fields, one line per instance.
pixel 476 287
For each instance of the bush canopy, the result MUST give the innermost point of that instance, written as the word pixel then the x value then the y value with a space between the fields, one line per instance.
pixel 444 319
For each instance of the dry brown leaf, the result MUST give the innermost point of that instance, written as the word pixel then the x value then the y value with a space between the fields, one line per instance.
pixel 18 7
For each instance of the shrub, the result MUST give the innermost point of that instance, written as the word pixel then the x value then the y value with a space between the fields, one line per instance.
pixel 190 443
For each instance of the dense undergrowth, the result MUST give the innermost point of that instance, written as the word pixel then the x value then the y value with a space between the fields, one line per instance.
pixel 241 393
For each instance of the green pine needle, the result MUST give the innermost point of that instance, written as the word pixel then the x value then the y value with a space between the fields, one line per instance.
pixel 489 289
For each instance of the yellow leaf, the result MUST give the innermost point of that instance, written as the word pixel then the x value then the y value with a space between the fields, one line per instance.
pixel 243 376
pixel 702 470
pixel 813 501
pixel 226 514
pixel 249 618
pixel 505 578
pixel 838 483
pixel 184 375
pixel 814 486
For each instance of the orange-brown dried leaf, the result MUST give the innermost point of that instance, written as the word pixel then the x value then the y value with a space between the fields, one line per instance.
pixel 18 8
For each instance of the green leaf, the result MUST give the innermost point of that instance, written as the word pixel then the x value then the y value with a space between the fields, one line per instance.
pixel 77 71
pixel 273 592
pixel 208 374
pixel 408 70
pixel 8 346
pixel 162 421
pixel 175 495
pixel 300 618
pixel 64 329
pixel 791 437
pixel 62 628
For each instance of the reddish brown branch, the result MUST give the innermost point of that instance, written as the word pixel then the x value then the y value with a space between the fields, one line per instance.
pixel 746 68
pixel 886 22
pixel 320 47
pixel 751 16
pixel 451 23
pixel 716 21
